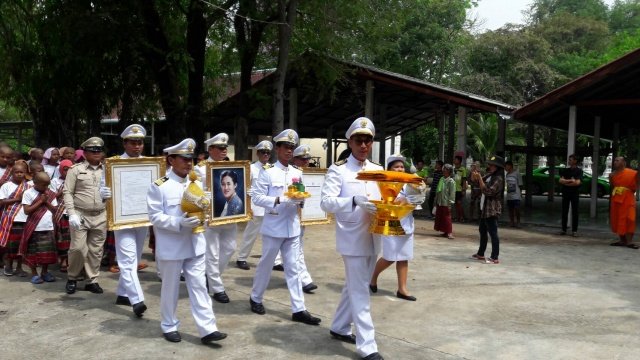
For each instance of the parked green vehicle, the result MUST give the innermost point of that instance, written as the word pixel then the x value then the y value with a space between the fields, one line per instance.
pixel 540 183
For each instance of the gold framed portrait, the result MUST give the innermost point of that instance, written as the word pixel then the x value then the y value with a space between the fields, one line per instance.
pixel 229 182
pixel 129 180
pixel 311 213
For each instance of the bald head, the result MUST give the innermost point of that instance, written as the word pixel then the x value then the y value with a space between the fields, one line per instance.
pixel 619 163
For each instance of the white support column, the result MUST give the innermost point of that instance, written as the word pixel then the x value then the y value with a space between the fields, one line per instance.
pixel 368 108
pixel 571 136
pixel 293 109
pixel 462 133
pixel 593 210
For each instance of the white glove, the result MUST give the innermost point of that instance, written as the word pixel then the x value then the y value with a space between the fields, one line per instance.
pixel 208 195
pixel 365 204
pixel 105 193
pixel 287 201
pixel 189 222
pixel 75 222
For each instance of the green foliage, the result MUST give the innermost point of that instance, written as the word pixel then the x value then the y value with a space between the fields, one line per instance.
pixel 542 10
pixel 624 16
pixel 421 144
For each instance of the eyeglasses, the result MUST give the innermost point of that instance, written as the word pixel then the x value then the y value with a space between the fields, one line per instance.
pixel 264 152
pixel 360 141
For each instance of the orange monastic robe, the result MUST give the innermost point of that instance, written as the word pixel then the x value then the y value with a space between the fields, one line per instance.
pixel 623 201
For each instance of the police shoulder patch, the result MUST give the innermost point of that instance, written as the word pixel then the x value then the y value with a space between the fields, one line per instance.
pixel 202 163
pixel 161 181
pixel 267 166
pixel 340 162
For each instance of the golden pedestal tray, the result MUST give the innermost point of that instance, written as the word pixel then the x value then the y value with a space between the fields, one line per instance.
pixel 195 203
pixel 390 183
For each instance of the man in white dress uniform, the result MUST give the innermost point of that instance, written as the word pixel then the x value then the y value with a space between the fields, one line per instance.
pixel 130 242
pixel 280 228
pixel 301 157
pixel 263 150
pixel 179 249
pixel 221 239
pixel 348 198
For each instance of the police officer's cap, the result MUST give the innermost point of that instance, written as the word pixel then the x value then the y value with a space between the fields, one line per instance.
pixel 303 152
pixel 134 131
pixel 264 145
pixel 185 148
pixel 94 144
pixel 288 136
pixel 363 126
pixel 219 140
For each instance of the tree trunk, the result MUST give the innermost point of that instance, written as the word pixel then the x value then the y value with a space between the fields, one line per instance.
pixel 286 17
pixel 197 29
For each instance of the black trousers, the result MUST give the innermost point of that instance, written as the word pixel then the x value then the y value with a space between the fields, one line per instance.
pixel 490 226
pixel 570 199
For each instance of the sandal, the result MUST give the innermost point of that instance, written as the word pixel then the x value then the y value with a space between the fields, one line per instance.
pixel 492 261
pixel 477 257
pixel 633 246
pixel 63 268
pixel 48 277
pixel 142 266
pixel 618 243
pixel 21 273
pixel 36 279
pixel 450 237
pixel 114 269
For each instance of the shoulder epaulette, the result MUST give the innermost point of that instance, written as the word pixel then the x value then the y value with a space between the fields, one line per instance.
pixel 375 163
pixel 296 167
pixel 115 157
pixel 202 163
pixel 75 165
pixel 340 162
pixel 161 181
pixel 267 166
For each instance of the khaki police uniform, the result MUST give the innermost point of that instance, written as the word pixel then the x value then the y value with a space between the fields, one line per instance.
pixel 358 247
pixel 82 198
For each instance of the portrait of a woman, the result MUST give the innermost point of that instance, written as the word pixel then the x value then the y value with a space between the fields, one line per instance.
pixel 228 185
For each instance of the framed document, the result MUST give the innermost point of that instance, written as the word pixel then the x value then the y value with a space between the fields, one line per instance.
pixel 311 213
pixel 229 182
pixel 129 180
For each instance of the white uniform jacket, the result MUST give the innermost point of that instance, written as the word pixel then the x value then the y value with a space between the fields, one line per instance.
pixel 256 168
pixel 352 222
pixel 173 242
pixel 282 220
pixel 201 170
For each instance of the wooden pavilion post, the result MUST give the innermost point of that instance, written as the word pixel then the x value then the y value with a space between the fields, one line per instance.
pixel 462 133
pixel 528 199
pixel 593 209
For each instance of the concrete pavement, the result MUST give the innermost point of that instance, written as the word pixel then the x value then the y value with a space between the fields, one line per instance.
pixel 551 298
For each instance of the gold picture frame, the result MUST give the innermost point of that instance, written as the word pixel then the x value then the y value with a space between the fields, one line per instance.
pixel 229 182
pixel 127 207
pixel 311 213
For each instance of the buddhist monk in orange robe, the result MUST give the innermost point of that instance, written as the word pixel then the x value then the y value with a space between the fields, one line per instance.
pixel 622 213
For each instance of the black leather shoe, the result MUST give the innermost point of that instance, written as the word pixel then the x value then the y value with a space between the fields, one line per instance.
pixel 94 288
pixel 373 288
pixel 405 297
pixel 242 265
pixel 308 289
pixel 71 286
pixel 139 308
pixel 278 267
pixel 373 356
pixel 351 339
pixel 221 297
pixel 172 336
pixel 123 300
pixel 304 317
pixel 257 307
pixel 214 336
